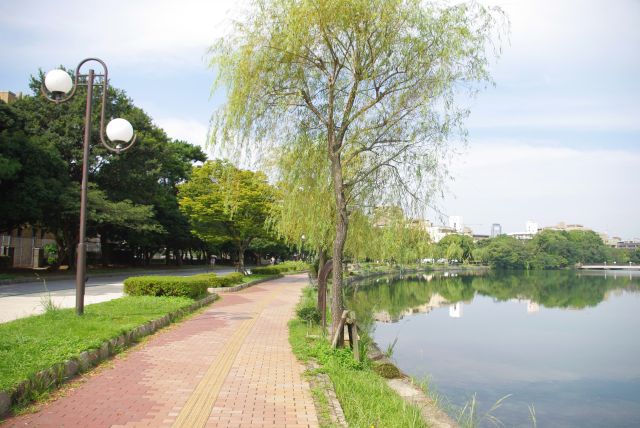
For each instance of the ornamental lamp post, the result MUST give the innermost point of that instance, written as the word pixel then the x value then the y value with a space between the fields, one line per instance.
pixel 59 87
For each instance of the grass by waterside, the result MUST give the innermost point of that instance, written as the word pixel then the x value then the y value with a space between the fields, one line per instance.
pixel 31 344
pixel 366 399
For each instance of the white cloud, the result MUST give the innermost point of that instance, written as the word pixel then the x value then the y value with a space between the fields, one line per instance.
pixel 549 111
pixel 146 33
pixel 188 130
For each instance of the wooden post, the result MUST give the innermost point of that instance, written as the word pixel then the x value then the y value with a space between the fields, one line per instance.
pixel 355 340
pixel 339 333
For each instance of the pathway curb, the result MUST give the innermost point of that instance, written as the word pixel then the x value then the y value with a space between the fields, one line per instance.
pixel 60 373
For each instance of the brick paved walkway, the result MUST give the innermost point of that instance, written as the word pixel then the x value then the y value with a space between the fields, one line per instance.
pixel 231 366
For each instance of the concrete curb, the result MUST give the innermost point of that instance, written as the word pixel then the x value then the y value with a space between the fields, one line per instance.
pixel 62 372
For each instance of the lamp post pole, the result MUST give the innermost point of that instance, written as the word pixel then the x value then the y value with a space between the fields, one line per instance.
pixel 81 256
pixel 58 84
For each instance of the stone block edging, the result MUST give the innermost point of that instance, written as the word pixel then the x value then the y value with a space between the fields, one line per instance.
pixel 61 372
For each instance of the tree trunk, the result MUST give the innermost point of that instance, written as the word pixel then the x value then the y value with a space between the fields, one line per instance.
pixel 322 259
pixel 240 259
pixel 342 224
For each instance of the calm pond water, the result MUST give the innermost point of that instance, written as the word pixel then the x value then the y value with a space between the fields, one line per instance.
pixel 565 343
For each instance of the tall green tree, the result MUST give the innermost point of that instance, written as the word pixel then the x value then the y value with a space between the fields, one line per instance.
pixel 142 180
pixel 32 173
pixel 224 203
pixel 373 80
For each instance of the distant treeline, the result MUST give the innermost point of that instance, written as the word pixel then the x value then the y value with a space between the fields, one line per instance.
pixel 549 249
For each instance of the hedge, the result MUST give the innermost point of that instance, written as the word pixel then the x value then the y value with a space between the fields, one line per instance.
pixel 281 268
pixel 178 286
pixel 215 281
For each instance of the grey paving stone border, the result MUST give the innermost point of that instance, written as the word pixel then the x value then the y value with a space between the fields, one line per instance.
pixel 323 382
pixel 62 372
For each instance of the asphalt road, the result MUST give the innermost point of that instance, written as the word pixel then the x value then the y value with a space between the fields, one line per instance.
pixel 29 298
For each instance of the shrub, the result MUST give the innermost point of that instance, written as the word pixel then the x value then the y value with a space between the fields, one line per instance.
pixel 267 270
pixel 215 281
pixel 281 268
pixel 51 253
pixel 387 370
pixel 309 313
pixel 178 286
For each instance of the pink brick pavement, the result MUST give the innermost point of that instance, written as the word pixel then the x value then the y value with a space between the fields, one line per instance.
pixel 230 366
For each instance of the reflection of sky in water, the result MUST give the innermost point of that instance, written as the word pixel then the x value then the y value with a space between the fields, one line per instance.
pixel 578 367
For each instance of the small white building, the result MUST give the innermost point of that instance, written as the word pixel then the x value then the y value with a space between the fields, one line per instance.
pixel 456 223
pixel 531 227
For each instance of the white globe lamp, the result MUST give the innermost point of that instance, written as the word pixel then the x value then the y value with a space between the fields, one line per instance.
pixel 58 81
pixel 119 130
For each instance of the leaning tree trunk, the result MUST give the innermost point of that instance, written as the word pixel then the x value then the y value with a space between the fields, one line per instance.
pixel 342 224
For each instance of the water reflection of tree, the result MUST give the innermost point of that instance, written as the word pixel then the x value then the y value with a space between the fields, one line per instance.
pixel 552 289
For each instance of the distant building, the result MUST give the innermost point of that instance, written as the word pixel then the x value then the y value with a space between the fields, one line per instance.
pixel 436 233
pixel 567 227
pixel 522 236
pixel 9 97
pixel 531 230
pixel 25 246
pixel 496 230
pixel 456 222
pixel 479 237
pixel 628 245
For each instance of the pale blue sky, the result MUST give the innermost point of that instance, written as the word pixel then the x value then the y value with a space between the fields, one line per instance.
pixel 557 138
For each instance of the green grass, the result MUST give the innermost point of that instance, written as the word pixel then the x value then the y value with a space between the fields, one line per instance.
pixel 35 343
pixel 6 276
pixel 366 399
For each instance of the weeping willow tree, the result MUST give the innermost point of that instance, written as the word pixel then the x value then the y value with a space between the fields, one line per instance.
pixel 387 235
pixel 373 82
pixel 305 205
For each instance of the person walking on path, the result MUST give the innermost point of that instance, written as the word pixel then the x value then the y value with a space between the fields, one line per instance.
pixel 229 366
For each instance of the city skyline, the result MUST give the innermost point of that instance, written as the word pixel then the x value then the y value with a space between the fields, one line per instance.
pixel 557 138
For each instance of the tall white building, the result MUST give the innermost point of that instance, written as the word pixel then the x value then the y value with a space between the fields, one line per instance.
pixel 531 227
pixel 455 222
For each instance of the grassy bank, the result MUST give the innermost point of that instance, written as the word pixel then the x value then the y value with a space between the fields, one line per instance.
pixel 366 399
pixel 35 343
